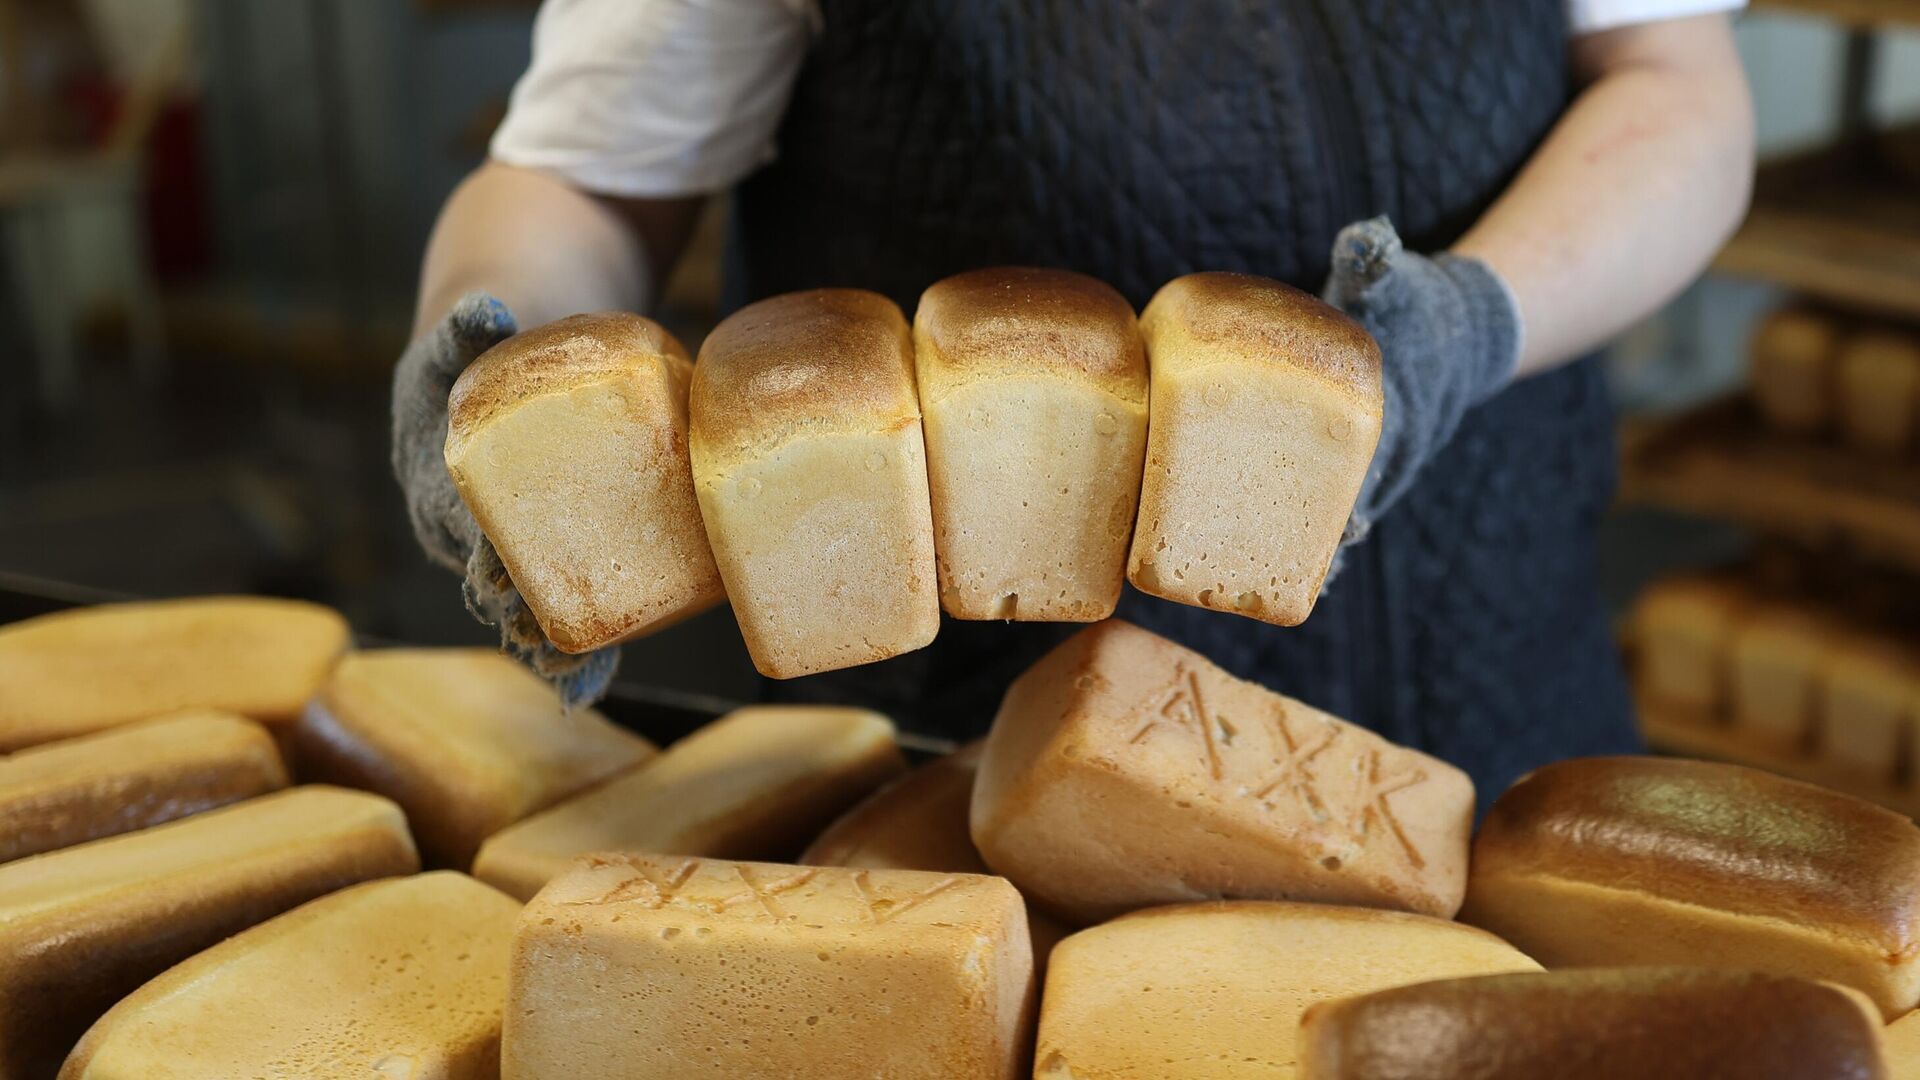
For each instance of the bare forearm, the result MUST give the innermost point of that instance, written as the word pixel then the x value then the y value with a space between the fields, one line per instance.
pixel 1638 185
pixel 545 248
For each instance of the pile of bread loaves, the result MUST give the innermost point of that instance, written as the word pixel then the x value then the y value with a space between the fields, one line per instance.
pixel 1817 373
pixel 825 466
pixel 1148 869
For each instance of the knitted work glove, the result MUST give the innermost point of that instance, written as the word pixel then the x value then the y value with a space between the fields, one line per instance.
pixel 1449 333
pixel 441 522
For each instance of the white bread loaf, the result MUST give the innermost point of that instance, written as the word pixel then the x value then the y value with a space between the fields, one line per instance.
pixel 1608 862
pixel 642 967
pixel 919 822
pixel 1780 654
pixel 1879 390
pixel 1684 628
pixel 131 777
pixel 398 978
pixel 1033 390
pixel 82 927
pixel 1266 408
pixel 1216 991
pixel 568 442
pixel 811 472
pixel 757 783
pixel 90 668
pixel 1596 1024
pixel 1124 770
pixel 466 741
pixel 1792 377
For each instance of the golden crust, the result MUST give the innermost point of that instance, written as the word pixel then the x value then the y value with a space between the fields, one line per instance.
pixel 815 361
pixel 558 356
pixel 1205 318
pixel 1014 320
pixel 1719 836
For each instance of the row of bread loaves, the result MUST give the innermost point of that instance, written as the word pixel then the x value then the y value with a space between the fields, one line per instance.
pixel 1019 450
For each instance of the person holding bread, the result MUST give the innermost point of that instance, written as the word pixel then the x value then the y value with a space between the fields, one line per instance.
pixel 1492 188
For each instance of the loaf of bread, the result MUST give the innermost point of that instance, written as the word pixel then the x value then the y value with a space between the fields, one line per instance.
pixel 78 671
pixel 466 741
pixel 812 476
pixel 1901 1041
pixel 757 783
pixel 83 927
pixel 1605 862
pixel 1596 1024
pixel 1870 702
pixel 919 822
pixel 1792 374
pixel 1033 385
pixel 398 978
pixel 1879 390
pixel 569 444
pixel 1684 636
pixel 641 967
pixel 1216 991
pixel 1266 409
pixel 1124 770
pixel 1780 654
pixel 131 777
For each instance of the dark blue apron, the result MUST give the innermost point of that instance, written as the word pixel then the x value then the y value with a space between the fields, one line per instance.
pixel 1137 141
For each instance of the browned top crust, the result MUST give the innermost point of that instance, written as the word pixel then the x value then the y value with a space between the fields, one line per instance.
pixel 822 360
pixel 1723 836
pixel 1594 1024
pixel 560 355
pixel 1226 316
pixel 1010 320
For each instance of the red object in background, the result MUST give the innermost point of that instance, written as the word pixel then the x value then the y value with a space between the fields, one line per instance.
pixel 179 231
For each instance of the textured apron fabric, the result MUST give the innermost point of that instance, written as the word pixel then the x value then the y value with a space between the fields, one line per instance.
pixel 1137 141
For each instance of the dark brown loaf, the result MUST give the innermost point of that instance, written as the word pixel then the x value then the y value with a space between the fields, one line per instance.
pixel 1599 1024
pixel 1636 861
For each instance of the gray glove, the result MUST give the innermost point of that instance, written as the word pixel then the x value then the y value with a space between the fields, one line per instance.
pixel 1449 334
pixel 441 522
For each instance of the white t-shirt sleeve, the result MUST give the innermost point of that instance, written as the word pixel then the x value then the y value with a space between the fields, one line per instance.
pixel 1588 16
pixel 654 97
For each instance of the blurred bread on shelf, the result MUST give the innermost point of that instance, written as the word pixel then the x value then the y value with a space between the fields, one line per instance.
pixel 1684 628
pixel 757 783
pixel 1792 369
pixel 135 776
pixel 1870 705
pixel 568 442
pixel 1216 991
pixel 1124 770
pixel 1879 390
pixel 404 977
pixel 811 472
pixel 1779 655
pixel 1266 408
pixel 1033 391
pixel 725 969
pixel 1607 862
pixel 84 926
pixel 467 741
pixel 77 671
pixel 1595 1024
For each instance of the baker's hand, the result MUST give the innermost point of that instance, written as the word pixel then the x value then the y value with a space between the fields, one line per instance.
pixel 1449 333
pixel 441 521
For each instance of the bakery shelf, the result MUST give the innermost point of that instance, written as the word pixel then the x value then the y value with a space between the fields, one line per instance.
pixel 1841 224
pixel 1682 733
pixel 1851 12
pixel 1722 461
